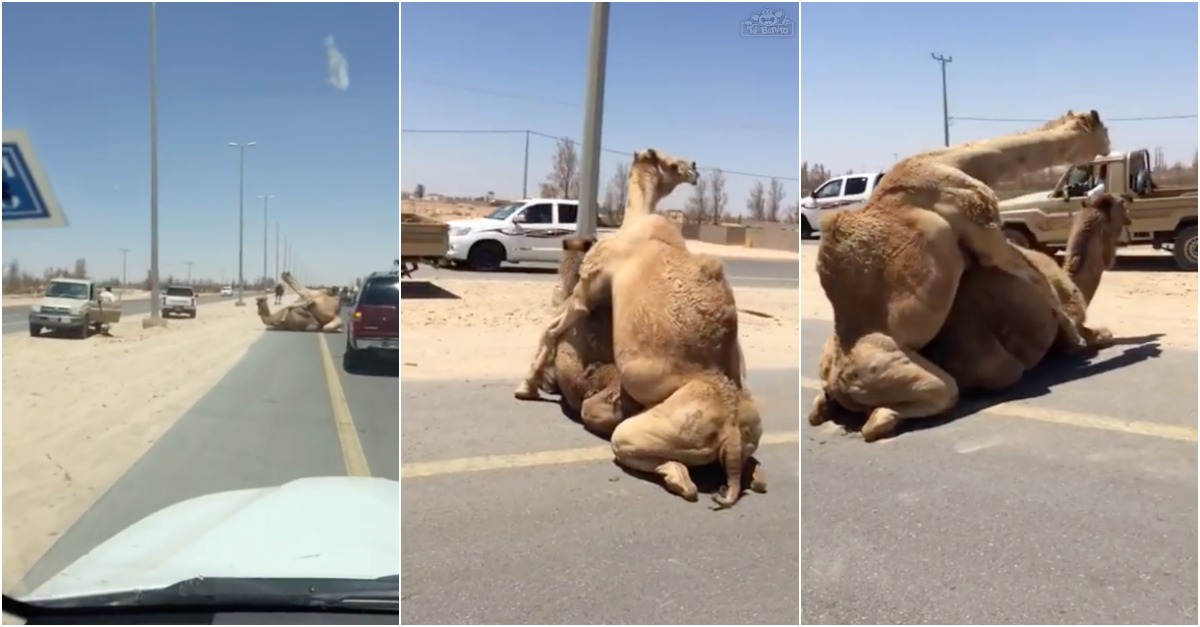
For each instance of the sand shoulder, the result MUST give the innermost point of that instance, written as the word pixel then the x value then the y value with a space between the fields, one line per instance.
pixel 78 414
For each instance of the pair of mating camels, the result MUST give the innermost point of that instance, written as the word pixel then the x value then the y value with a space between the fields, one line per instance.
pixel 645 346
pixel 929 297
pixel 316 311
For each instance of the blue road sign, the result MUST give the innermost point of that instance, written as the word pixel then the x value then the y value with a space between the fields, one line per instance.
pixel 29 201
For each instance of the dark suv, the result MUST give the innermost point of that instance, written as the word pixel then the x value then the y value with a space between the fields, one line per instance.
pixel 374 329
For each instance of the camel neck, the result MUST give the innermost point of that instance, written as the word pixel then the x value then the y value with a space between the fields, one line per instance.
pixel 1010 156
pixel 639 204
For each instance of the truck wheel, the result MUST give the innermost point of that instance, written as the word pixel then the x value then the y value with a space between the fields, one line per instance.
pixel 35 330
pixel 1018 237
pixel 486 256
pixel 83 332
pixel 1185 248
pixel 351 360
pixel 806 230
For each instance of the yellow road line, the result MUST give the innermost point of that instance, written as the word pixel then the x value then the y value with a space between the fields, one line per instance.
pixel 343 422
pixel 1013 409
pixel 541 458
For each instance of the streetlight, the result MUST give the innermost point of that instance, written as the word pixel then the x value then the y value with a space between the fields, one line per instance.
pixel 241 217
pixel 155 318
pixel 276 251
pixel 265 198
pixel 124 268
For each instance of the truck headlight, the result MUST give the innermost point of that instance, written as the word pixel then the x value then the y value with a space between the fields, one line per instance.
pixel 459 231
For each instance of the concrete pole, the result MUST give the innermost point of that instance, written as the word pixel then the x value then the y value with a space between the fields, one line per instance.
pixel 945 98
pixel 593 121
pixel 155 318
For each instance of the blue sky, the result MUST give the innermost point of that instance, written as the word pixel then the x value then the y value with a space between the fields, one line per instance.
pixel 871 89
pixel 680 78
pixel 75 77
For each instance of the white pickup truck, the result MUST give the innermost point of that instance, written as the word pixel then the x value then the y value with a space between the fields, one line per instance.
pixel 839 193
pixel 179 299
pixel 529 230
pixel 72 306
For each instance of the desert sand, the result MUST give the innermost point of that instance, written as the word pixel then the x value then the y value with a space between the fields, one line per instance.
pixel 78 414
pixel 1131 303
pixel 491 331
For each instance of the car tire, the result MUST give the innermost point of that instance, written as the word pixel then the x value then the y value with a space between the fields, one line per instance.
pixel 806 230
pixel 35 330
pixel 351 360
pixel 83 332
pixel 486 256
pixel 192 314
pixel 1185 248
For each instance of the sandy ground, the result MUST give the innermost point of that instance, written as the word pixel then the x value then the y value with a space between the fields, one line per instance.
pixel 78 414
pixel 492 329
pixel 1129 302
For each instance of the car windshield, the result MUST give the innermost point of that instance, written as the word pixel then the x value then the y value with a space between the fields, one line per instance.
pixel 60 289
pixel 182 424
pixel 503 212
pixel 381 292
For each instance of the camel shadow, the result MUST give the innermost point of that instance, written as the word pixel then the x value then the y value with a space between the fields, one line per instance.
pixel 424 290
pixel 1137 263
pixel 1053 371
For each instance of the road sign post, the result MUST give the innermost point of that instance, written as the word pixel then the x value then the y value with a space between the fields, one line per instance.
pixel 29 201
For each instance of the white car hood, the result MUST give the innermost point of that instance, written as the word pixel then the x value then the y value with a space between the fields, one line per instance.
pixel 478 224
pixel 73 304
pixel 320 527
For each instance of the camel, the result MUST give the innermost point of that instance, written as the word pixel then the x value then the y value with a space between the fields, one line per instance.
pixel 891 268
pixel 324 308
pixel 289 318
pixel 998 329
pixel 584 372
pixel 675 346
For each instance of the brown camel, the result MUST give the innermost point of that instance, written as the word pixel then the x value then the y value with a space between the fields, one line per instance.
pixel 325 308
pixel 998 329
pixel 676 349
pixel 584 372
pixel 288 318
pixel 891 269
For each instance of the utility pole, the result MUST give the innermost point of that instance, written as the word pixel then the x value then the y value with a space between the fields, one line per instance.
pixel 945 101
pixel 286 256
pixel 155 318
pixel 265 198
pixel 593 118
pixel 277 250
pixel 189 265
pixel 124 268
pixel 241 218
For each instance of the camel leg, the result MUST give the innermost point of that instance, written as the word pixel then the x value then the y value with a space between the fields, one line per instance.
pixel 1097 338
pixel 601 412
pixel 572 311
pixel 896 381
pixel 333 326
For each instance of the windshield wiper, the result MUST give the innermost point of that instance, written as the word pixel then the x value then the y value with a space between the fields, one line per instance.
pixel 382 594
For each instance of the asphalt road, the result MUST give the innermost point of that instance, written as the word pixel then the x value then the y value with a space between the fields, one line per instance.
pixel 740 272
pixel 270 420
pixel 1075 504
pixel 16 317
pixel 512 513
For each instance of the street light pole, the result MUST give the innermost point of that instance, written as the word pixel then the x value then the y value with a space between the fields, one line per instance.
pixel 265 198
pixel 241 219
pixel 189 265
pixel 277 251
pixel 124 268
pixel 593 118
pixel 155 318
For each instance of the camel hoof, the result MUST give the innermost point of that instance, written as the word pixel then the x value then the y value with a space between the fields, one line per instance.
pixel 818 414
pixel 527 392
pixel 721 500
pixel 882 423
pixel 1103 338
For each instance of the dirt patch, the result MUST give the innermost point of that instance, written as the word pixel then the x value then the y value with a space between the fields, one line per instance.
pixel 79 413
pixel 1129 302
pixel 491 331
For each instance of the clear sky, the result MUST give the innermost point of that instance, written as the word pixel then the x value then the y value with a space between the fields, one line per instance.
pixel 75 76
pixel 680 78
pixel 871 89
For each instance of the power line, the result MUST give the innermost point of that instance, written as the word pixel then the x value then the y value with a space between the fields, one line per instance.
pixel 1147 118
pixel 608 150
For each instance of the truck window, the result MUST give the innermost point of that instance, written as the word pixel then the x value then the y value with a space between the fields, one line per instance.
pixel 383 291
pixel 832 189
pixel 180 291
pixel 58 289
pixel 856 185
pixel 567 214
pixel 538 214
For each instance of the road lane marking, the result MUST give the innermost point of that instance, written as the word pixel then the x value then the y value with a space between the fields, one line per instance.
pixel 541 458
pixel 343 422
pixel 1013 409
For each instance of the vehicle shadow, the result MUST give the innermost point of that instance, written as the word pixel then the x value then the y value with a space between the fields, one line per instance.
pixel 1138 263
pixel 507 269
pixel 1054 370
pixel 387 368
pixel 424 290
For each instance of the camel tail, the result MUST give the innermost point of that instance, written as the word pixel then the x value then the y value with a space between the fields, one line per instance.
pixel 293 283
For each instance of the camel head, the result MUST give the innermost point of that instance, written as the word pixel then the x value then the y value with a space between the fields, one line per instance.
pixel 655 170
pixel 1089 133
pixel 1107 217
pixel 262 308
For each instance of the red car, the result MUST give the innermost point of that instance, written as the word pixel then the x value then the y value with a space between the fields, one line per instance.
pixel 374 330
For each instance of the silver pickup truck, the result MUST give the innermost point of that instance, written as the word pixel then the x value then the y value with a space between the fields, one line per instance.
pixel 72 306
pixel 179 300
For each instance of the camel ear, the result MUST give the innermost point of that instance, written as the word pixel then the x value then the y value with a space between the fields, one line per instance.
pixel 1095 117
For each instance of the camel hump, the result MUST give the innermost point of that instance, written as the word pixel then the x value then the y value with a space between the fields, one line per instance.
pixel 711 267
pixel 578 243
